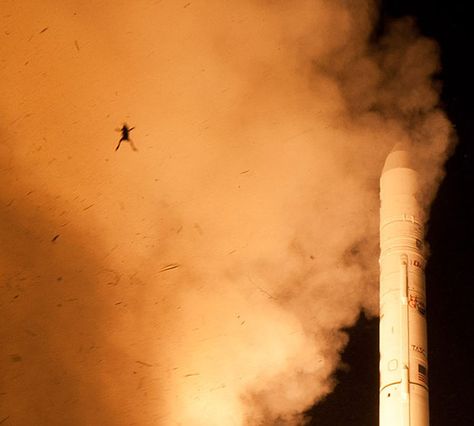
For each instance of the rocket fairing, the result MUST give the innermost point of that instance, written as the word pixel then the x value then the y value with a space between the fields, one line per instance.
pixel 403 340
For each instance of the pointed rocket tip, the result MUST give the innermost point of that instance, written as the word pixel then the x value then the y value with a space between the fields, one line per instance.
pixel 399 157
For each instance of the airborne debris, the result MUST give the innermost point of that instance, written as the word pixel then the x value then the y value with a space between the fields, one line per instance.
pixel 170 267
pixel 262 290
pixel 43 30
pixel 55 238
pixel 15 357
pixel 144 363
pixel 125 130
pixel 77 45
pixel 217 387
pixel 191 374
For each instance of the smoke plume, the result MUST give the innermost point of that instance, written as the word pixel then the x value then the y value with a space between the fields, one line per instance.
pixel 205 279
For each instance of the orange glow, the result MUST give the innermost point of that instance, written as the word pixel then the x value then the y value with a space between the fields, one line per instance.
pixel 205 278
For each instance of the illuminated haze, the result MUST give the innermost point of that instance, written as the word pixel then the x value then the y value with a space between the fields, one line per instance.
pixel 205 279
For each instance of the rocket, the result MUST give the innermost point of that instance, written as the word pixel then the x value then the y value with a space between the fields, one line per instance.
pixel 403 393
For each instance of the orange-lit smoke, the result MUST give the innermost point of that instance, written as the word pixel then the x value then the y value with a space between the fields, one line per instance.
pixel 205 279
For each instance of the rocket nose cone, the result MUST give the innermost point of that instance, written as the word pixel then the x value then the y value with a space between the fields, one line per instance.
pixel 399 157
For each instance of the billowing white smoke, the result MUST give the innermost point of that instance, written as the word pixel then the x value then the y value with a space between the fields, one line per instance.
pixel 203 280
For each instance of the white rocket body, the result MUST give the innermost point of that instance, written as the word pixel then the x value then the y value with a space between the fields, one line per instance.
pixel 403 339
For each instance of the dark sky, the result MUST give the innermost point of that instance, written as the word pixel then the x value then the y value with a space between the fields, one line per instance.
pixel 450 235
